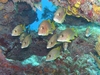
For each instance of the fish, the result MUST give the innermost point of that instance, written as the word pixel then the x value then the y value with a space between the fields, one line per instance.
pixel 46 28
pixel 38 5
pixel 27 41
pixel 59 15
pixel 97 59
pixel 22 36
pixel 53 54
pixel 97 48
pixel 67 35
pixel 18 30
pixel 52 41
pixel 98 38
pixel 87 32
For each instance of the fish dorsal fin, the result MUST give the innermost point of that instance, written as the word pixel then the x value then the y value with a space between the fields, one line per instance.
pixel 23 27
pixel 53 26
pixel 49 21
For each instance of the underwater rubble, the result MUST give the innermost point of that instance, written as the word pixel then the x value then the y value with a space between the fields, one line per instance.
pixel 79 54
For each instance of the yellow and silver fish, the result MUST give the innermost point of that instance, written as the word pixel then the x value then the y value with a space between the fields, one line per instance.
pixel 22 36
pixel 18 30
pixel 53 54
pixel 53 41
pixel 97 48
pixel 38 5
pixel 67 35
pixel 98 38
pixel 59 15
pixel 87 32
pixel 27 41
pixel 46 28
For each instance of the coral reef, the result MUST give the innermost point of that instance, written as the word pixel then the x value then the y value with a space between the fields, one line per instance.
pixel 87 9
pixel 76 59
pixel 10 17
pixel 30 2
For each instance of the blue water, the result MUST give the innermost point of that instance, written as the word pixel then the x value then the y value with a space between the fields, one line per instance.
pixel 45 3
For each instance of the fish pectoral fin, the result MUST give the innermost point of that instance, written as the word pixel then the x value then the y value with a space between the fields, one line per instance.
pixel 75 34
pixel 53 26
pixel 57 42
pixel 51 32
pixel 69 41
pixel 73 37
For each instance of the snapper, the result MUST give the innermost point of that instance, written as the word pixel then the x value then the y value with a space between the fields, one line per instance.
pixel 67 35
pixel 22 36
pixel 53 54
pixel 27 41
pixel 59 15
pixel 46 28
pixel 18 30
pixel 53 41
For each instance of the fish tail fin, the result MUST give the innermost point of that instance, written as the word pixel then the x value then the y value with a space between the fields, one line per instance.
pixel 68 12
pixel 58 48
pixel 53 26
pixel 75 31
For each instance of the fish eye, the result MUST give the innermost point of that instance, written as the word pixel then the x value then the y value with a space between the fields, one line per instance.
pixel 42 27
pixel 58 14
pixel 49 55
pixel 51 42
pixel 24 42
pixel 62 35
pixel 15 30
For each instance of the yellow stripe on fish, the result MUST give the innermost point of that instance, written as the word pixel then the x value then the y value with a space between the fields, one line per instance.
pixel 18 30
pixel 22 36
pixel 53 41
pixel 27 41
pixel 53 54
pixel 67 35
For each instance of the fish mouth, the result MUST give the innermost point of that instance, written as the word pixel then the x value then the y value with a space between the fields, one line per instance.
pixel 56 20
pixel 13 35
pixel 22 47
pixel 48 59
pixel 48 47
pixel 41 34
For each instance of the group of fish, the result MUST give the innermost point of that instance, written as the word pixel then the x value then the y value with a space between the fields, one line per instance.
pixel 48 27
pixel 65 37
pixel 25 38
